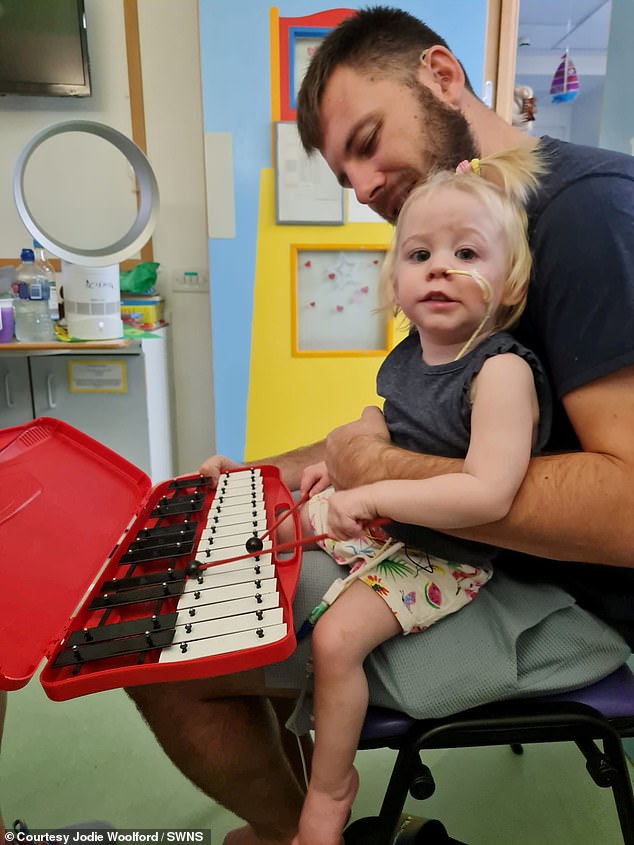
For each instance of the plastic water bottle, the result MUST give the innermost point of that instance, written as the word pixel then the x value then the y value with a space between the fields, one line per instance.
pixel 47 269
pixel 33 322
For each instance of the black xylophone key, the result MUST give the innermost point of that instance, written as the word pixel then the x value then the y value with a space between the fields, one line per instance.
pixel 142 594
pixel 179 504
pixel 134 581
pixel 200 481
pixel 117 630
pixel 174 529
pixel 157 552
pixel 170 534
pixel 148 640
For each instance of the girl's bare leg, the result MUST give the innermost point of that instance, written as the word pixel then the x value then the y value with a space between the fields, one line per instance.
pixel 355 624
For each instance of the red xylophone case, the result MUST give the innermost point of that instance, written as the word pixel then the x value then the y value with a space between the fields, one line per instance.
pixel 69 510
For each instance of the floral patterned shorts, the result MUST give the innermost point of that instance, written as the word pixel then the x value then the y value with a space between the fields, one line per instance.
pixel 419 589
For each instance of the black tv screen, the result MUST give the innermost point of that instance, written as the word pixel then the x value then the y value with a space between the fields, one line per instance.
pixel 43 48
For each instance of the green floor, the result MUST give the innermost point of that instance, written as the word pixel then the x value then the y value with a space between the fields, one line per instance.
pixel 93 758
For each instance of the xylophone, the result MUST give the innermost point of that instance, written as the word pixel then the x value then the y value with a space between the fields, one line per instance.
pixel 177 597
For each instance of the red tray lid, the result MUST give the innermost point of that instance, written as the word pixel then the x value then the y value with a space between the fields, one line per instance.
pixel 65 500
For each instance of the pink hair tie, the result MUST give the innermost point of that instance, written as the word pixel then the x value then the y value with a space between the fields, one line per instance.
pixel 472 166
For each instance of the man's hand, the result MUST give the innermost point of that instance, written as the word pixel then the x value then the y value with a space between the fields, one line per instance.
pixel 349 510
pixel 315 478
pixel 351 449
pixel 215 465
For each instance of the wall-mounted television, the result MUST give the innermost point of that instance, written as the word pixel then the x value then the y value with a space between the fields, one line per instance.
pixel 43 48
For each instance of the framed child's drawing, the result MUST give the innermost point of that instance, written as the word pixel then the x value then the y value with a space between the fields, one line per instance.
pixel 337 305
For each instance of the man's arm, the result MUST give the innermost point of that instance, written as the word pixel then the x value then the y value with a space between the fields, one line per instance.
pixel 360 452
pixel 291 464
pixel 577 506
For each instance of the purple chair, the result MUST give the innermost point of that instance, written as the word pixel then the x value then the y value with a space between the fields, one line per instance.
pixel 603 711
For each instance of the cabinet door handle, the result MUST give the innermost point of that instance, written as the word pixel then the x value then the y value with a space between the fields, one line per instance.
pixel 50 385
pixel 8 395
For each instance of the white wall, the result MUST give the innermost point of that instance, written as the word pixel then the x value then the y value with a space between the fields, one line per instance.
pixel 171 81
pixel 586 119
pixel 617 123
pixel 170 60
pixel 21 117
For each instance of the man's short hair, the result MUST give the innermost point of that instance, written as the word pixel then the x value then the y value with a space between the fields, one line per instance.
pixel 375 39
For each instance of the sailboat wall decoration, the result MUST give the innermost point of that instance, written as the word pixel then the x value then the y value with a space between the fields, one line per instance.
pixel 565 84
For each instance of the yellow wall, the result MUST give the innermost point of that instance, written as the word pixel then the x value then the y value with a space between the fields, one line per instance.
pixel 294 401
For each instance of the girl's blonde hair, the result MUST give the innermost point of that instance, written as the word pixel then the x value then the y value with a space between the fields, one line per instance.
pixel 503 185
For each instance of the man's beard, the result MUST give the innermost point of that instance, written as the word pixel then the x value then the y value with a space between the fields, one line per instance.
pixel 447 137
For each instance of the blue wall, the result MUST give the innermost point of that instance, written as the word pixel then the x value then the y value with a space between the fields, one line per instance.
pixel 236 99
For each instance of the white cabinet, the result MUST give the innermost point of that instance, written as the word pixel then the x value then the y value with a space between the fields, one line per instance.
pixel 16 404
pixel 118 396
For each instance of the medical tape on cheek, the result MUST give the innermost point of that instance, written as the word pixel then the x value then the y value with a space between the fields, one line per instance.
pixel 487 296
pixel 478 278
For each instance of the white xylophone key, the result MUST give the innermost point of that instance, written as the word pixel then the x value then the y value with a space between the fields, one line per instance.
pixel 221 529
pixel 232 498
pixel 245 476
pixel 248 564
pixel 235 607
pixel 229 520
pixel 223 645
pixel 233 544
pixel 241 491
pixel 189 631
pixel 235 485
pixel 217 556
pixel 237 495
pixel 215 595
pixel 217 577
pixel 246 508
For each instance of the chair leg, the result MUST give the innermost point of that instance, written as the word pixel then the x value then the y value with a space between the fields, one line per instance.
pixel 580 725
pixel 383 829
pixel 621 787
pixel 407 761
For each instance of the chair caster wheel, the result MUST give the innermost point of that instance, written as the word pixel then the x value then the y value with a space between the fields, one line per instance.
pixel 365 831
pixel 602 772
pixel 422 785
pixel 416 831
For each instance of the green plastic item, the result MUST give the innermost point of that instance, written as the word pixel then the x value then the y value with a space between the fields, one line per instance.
pixel 141 279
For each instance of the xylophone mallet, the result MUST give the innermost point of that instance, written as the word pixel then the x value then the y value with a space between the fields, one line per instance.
pixel 254 544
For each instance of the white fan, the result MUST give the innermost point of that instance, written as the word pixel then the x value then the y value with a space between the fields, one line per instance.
pixel 91 276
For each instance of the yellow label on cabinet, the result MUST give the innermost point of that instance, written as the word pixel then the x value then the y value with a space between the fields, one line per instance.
pixel 97 377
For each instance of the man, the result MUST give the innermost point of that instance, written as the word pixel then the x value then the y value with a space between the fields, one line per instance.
pixel 385 102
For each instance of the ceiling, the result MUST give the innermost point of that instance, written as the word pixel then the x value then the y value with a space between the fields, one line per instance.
pixel 547 27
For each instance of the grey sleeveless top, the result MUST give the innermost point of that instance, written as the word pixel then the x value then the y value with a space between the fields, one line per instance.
pixel 428 409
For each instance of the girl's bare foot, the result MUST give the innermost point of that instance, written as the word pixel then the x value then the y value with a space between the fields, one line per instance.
pixel 324 815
